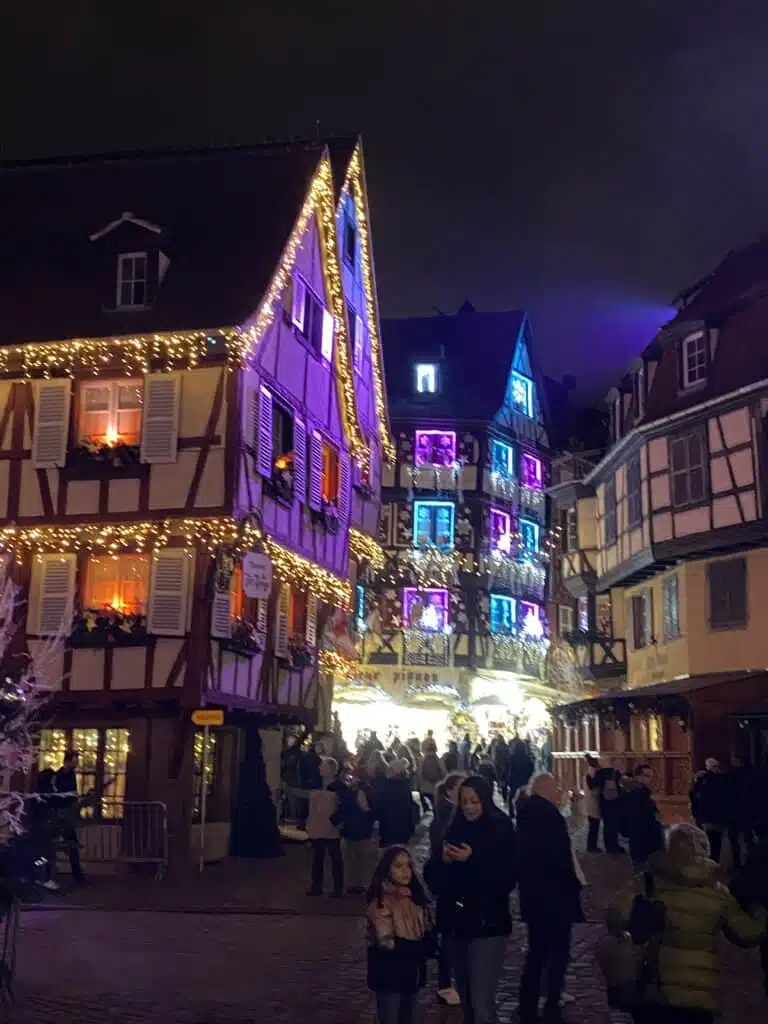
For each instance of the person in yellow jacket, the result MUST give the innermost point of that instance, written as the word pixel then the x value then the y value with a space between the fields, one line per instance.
pixel 698 907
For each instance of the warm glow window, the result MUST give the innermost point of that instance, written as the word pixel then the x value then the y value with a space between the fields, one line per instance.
pixel 646 733
pixel 435 448
pixel 425 378
pixel 530 471
pixel 102 767
pixel 433 523
pixel 694 359
pixel 425 609
pixel 502 613
pixel 330 483
pixel 297 614
pixel 245 608
pixel 282 438
pixel 502 460
pixel 110 412
pixel 118 582
pixel 522 394
pixel 530 535
pixel 132 280
pixel 501 531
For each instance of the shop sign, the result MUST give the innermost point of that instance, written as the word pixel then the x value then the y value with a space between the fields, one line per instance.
pixel 257 575
pixel 207 717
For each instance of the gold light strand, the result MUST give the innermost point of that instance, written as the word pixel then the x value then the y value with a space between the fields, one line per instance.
pixel 366 549
pixel 337 665
pixel 291 568
pixel 355 185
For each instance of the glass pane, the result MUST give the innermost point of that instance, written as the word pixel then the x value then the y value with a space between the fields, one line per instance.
pixel 129 396
pixel 94 426
pixel 53 746
pixel 120 582
pixel 129 426
pixel 96 399
pixel 116 750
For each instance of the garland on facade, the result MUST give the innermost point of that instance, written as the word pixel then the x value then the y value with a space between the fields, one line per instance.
pixel 366 549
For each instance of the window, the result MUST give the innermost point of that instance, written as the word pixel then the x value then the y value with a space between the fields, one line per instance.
pixel 425 609
pixel 529 536
pixel 118 582
pixel 426 378
pixel 642 619
pixel 358 340
pixel 360 617
pixel 638 392
pixel 313 321
pixel 503 614
pixel 243 607
pixel 282 440
pixel 330 486
pixel 686 459
pixel 571 530
pixel 297 614
pixel 530 471
pixel 501 531
pixel 531 622
pixel 728 593
pixel 203 775
pixel 670 592
pixel 609 513
pixel 694 357
pixel 582 608
pixel 634 493
pixel 350 241
pixel 110 412
pixel 132 280
pixel 435 448
pixel 502 460
pixel 646 733
pixel 522 394
pixel 102 766
pixel 565 619
pixel 433 523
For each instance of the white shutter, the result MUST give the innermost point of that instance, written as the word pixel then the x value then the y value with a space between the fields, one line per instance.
pixel 261 618
pixel 281 622
pixel 316 471
pixel 357 351
pixel 264 444
pixel 326 343
pixel 299 303
pixel 168 599
pixel 299 459
pixel 310 634
pixel 221 614
pixel 53 592
pixel 51 434
pixel 344 484
pixel 160 423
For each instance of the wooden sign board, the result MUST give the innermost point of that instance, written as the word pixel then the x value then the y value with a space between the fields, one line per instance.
pixel 208 716
pixel 257 575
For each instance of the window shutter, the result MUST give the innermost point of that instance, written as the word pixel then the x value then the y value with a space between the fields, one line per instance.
pixel 261 618
pixel 221 614
pixel 326 344
pixel 160 427
pixel 53 594
pixel 168 599
pixel 316 471
pixel 264 444
pixel 299 303
pixel 344 484
pixel 49 444
pixel 311 630
pixel 359 344
pixel 299 459
pixel 281 622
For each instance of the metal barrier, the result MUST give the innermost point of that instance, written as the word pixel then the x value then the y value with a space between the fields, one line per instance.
pixel 139 837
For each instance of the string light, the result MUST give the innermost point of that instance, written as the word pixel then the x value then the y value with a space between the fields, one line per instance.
pixel 366 549
pixel 337 665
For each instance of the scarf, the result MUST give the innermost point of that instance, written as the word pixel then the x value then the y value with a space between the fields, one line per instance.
pixel 396 916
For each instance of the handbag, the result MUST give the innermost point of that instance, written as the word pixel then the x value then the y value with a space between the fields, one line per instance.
pixel 628 961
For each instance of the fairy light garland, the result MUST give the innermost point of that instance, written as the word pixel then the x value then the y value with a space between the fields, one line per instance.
pixel 355 186
pixel 337 665
pixel 366 549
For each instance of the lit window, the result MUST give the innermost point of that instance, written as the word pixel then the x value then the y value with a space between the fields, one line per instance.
pixel 641 610
pixel 565 619
pixel 503 613
pixel 529 536
pixel 435 448
pixel 501 531
pixel 583 612
pixel 297 615
pixel 118 582
pixel 243 607
pixel 110 412
pixel 433 523
pixel 205 778
pixel 132 280
pixel 694 359
pixel 425 609
pixel 330 474
pixel 522 394
pixel 426 378
pixel 360 618
pixel 531 623
pixel 530 470
pixel 313 321
pixel 502 460
pixel 357 332
pixel 102 765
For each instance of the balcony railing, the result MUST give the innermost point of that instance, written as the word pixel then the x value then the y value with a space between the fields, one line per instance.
pixel 532 498
pixel 425 647
pixel 432 563
pixel 513 653
pixel 504 487
pixel 524 577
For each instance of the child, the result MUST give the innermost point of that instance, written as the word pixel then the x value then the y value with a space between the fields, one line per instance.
pixel 398 928
pixel 323 834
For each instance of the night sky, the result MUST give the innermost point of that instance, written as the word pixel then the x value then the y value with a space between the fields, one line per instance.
pixel 582 159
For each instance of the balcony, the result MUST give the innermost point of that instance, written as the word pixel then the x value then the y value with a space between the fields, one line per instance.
pixel 531 499
pixel 579 572
pixel 503 487
pixel 426 647
pixel 429 565
pixel 513 653
pixel 525 578
pixel 599 656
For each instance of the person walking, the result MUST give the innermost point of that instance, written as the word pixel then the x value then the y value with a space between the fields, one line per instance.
pixel 592 803
pixel 610 801
pixel 709 804
pixel 395 808
pixel 446 800
pixel 67 810
pixel 697 910
pixel 452 758
pixel 475 876
pixel 500 756
pixel 465 753
pixel 322 832
pixel 550 882
pixel 398 928
pixel 640 816
pixel 355 819
pixel 432 772
pixel 520 768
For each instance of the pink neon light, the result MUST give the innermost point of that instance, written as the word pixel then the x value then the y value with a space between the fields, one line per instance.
pixel 427 609
pixel 531 471
pixel 435 448
pixel 501 526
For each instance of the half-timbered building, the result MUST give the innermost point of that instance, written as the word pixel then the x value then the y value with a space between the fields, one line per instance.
pixel 668 531
pixel 192 426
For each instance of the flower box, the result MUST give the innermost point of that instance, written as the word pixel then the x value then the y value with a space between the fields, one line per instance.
pixel 97 627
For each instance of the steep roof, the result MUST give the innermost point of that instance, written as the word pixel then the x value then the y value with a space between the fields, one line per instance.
pixel 224 216
pixel 475 353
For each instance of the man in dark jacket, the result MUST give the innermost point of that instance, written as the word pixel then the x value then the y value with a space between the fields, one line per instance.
pixel 67 806
pixel 395 807
pixel 500 756
pixel 641 816
pixel 520 768
pixel 709 804
pixel 550 882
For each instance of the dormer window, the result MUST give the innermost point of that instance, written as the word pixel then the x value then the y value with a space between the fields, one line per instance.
pixel 132 280
pixel 522 394
pixel 313 321
pixel 350 242
pixel 426 378
pixel 694 358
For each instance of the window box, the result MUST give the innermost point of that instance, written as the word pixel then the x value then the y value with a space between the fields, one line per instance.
pixel 97 627
pixel 280 487
pixel 244 640
pixel 300 653
pixel 91 460
pixel 327 516
pixel 364 489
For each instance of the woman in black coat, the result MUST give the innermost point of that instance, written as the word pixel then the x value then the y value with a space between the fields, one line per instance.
pixel 395 808
pixel 475 876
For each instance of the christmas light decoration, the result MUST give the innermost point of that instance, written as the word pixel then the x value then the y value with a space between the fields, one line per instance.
pixel 336 665
pixel 366 549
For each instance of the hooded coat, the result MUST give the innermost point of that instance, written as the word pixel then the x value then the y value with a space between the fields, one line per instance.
pixel 697 907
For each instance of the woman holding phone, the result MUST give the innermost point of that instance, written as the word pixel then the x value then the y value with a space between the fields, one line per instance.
pixel 476 872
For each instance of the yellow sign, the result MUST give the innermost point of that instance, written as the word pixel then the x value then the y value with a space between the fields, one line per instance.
pixel 208 716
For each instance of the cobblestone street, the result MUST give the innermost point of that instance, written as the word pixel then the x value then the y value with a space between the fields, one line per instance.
pixel 275 957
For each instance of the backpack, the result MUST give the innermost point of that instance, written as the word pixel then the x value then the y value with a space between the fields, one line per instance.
pixel 628 961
